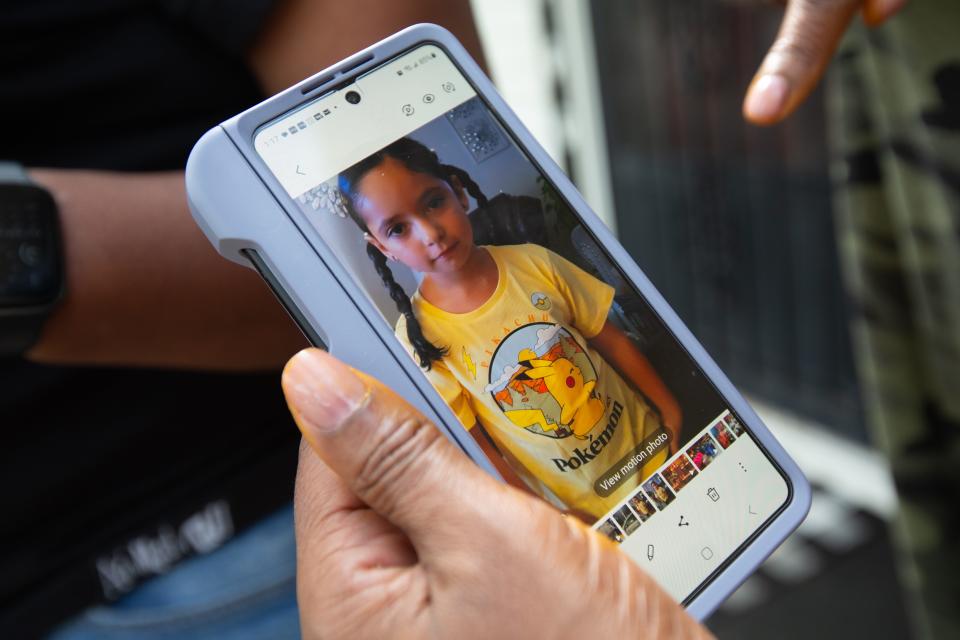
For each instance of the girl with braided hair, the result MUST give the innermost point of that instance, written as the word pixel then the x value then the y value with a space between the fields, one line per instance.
pixel 514 338
pixel 419 160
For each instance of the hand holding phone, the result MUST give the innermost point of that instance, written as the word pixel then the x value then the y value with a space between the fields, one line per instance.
pixel 409 222
pixel 399 534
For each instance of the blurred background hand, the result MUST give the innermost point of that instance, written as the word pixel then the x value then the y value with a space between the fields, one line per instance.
pixel 808 37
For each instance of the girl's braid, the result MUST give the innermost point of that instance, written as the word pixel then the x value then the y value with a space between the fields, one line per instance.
pixel 419 158
pixel 426 351
pixel 472 187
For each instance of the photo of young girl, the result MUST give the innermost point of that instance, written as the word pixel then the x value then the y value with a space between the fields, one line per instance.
pixel 514 337
pixel 556 366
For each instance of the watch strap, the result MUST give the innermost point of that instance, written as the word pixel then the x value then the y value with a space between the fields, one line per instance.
pixel 19 328
pixel 13 173
pixel 19 331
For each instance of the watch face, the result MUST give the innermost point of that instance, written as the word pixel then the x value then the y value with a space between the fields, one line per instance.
pixel 30 267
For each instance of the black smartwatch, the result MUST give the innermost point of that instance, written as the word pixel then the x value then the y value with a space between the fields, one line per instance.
pixel 31 263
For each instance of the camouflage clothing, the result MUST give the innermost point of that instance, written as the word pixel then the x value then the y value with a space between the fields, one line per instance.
pixel 895 102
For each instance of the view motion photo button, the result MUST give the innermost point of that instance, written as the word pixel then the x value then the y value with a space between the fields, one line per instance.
pixel 624 468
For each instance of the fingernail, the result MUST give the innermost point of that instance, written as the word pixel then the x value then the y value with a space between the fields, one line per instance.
pixel 767 98
pixel 875 13
pixel 892 6
pixel 322 391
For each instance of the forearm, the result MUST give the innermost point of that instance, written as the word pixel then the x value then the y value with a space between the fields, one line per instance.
pixel 639 372
pixel 143 285
pixel 620 351
pixel 145 288
pixel 305 36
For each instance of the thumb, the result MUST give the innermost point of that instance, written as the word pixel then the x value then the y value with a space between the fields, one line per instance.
pixel 808 36
pixel 390 456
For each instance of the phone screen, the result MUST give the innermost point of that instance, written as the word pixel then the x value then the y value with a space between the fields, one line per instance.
pixel 543 349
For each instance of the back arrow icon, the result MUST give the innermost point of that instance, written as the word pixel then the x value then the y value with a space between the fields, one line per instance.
pixel 300 172
pixel 750 510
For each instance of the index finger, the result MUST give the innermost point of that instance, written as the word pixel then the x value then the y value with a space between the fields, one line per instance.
pixel 808 37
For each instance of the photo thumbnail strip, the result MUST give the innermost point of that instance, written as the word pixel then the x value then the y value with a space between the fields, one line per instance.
pixel 661 488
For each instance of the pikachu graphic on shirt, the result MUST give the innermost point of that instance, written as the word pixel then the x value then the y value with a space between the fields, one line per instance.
pixel 580 408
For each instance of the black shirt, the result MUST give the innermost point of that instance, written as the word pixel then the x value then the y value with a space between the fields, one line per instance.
pixel 94 458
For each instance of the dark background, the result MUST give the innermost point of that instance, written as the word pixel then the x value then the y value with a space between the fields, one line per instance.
pixel 734 225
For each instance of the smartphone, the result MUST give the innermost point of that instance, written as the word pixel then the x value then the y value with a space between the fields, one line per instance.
pixel 411 225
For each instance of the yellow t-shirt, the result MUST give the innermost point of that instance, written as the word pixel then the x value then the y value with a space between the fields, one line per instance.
pixel 521 365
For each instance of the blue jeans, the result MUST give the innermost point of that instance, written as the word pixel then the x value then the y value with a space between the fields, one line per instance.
pixel 243 590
